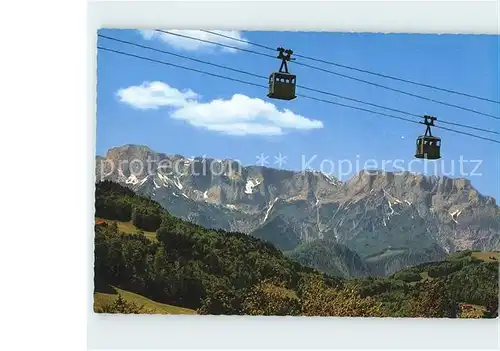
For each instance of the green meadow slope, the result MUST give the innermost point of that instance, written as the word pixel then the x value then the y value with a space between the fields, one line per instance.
pixel 103 299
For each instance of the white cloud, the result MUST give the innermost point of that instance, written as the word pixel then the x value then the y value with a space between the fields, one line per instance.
pixel 242 115
pixel 240 128
pixel 193 45
pixel 152 95
pixel 239 115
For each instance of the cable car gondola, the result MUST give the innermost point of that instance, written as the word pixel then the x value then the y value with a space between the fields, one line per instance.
pixel 282 83
pixel 428 146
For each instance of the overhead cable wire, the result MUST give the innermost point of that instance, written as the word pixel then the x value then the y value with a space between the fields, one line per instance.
pixel 357 69
pixel 299 95
pixel 179 66
pixel 299 86
pixel 303 96
pixel 214 43
pixel 334 73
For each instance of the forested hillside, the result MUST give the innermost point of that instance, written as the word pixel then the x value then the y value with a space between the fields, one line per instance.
pixel 218 272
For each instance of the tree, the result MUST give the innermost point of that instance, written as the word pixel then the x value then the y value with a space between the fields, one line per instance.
pixel 408 276
pixel 320 300
pixel 146 219
pixel 120 305
pixel 219 301
pixel 433 301
pixel 114 227
pixel 491 308
pixel 271 299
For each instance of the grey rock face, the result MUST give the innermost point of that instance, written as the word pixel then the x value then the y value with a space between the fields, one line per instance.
pixel 391 220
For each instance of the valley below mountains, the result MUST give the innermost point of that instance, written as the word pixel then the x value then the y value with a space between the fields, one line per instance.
pixel 374 224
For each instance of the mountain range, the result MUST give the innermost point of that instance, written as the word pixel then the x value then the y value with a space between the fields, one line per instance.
pixel 376 223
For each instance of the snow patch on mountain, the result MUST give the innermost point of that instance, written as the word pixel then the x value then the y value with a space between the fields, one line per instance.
pixel 454 215
pixel 177 183
pixel 144 180
pixel 132 180
pixel 271 204
pixel 251 183
pixel 156 184
pixel 165 180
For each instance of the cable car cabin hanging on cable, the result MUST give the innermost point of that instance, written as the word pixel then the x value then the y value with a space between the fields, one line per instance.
pixel 282 83
pixel 428 146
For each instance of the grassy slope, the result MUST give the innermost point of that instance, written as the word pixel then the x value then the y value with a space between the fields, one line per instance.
pixel 101 299
pixel 128 228
pixel 487 256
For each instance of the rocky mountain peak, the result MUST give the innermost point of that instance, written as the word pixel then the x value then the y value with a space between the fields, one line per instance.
pixel 386 215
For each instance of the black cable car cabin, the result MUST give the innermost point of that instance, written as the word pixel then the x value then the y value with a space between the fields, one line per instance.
pixel 282 83
pixel 428 146
pixel 282 86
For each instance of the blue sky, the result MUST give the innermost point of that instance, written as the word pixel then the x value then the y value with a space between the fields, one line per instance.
pixel 179 112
